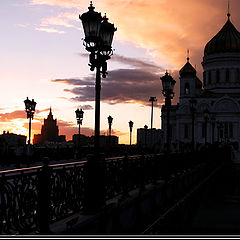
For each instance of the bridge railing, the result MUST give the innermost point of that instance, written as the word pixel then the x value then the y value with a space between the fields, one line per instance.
pixel 32 198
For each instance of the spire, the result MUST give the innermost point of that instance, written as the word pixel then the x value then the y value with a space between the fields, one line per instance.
pixel 228 14
pixel 188 55
pixel 187 69
pixel 50 111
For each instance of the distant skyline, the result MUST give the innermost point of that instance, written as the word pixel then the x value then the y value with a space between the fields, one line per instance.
pixel 43 57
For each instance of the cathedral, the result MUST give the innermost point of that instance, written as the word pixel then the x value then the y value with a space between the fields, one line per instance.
pixel 216 114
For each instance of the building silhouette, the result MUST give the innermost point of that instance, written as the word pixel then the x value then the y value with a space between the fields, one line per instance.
pixel 104 140
pixel 219 94
pixel 11 144
pixel 49 131
pixel 150 138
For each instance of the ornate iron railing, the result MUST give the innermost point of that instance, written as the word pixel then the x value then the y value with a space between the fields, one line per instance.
pixel 32 198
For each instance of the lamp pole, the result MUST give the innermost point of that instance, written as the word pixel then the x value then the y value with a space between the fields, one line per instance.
pixel 98 41
pixel 110 119
pixel 152 99
pixel 79 117
pixel 193 103
pixel 206 117
pixel 30 110
pixel 168 84
pixel 130 126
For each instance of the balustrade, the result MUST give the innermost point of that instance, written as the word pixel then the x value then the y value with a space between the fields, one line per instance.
pixel 32 198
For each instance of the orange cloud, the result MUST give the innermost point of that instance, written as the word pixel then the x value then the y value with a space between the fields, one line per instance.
pixel 166 28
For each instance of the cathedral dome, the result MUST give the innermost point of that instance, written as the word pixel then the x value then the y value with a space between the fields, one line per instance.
pixel 187 70
pixel 226 40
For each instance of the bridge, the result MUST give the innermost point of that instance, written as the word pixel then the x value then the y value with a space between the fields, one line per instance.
pixel 140 194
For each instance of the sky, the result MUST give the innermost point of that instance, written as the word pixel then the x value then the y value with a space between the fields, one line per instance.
pixel 42 57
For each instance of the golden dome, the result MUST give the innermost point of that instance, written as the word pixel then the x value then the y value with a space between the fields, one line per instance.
pixel 226 40
pixel 187 70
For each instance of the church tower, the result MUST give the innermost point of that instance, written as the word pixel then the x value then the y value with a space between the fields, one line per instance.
pixel 190 85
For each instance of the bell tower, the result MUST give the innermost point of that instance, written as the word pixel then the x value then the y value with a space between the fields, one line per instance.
pixel 189 83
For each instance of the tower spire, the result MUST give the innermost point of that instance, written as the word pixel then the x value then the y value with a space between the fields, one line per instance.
pixel 188 55
pixel 228 14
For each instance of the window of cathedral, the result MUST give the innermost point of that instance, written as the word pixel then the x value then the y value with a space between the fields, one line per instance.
pixel 185 130
pixel 217 76
pixel 209 77
pixel 187 89
pixel 227 75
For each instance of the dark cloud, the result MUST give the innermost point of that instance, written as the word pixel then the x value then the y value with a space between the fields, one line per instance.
pixel 136 62
pixel 79 82
pixel 86 107
pixel 122 85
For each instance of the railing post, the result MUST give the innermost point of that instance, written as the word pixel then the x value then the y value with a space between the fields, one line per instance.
pixel 94 193
pixel 125 177
pixel 44 197
pixel 142 173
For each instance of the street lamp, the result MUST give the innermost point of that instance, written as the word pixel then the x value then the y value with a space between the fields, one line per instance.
pixel 152 99
pixel 192 105
pixel 110 119
pixel 79 117
pixel 30 109
pixel 130 126
pixel 98 41
pixel 168 84
pixel 213 121
pixel 206 118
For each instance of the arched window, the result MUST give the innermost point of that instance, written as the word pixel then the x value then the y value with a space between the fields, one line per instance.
pixel 209 77
pixel 187 89
pixel 217 76
pixel 227 75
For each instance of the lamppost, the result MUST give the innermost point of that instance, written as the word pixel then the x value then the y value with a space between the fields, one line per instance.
pixel 130 126
pixel 206 118
pixel 30 109
pixel 110 119
pixel 213 121
pixel 79 117
pixel 152 99
pixel 98 41
pixel 168 86
pixel 145 132
pixel 193 103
